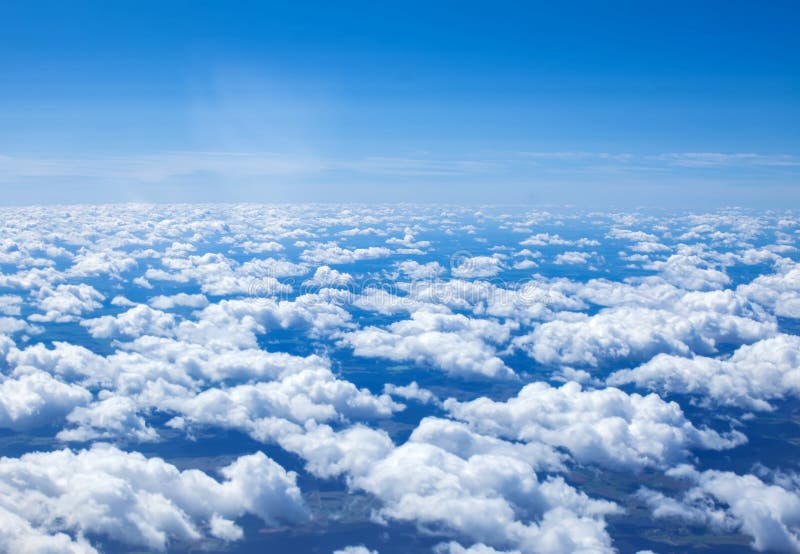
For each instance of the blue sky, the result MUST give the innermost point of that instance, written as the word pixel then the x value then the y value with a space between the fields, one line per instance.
pixel 680 103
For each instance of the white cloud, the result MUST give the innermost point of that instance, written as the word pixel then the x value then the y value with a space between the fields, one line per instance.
pixel 755 374
pixel 309 395
pixel 139 320
pixel 480 548
pixel 178 300
pixel 355 550
pixel 142 501
pixel 449 342
pixel 66 302
pixel 479 497
pixel 485 489
pixel 101 262
pixel 697 322
pixel 409 240
pixel 728 502
pixel 332 254
pixel 325 276
pixel 10 304
pixel 544 239
pixel 477 266
pixel 419 272
pixel 780 292
pixel 573 258
pixel 18 535
pixel 111 418
pixel 412 391
pixel 690 271
pixel 606 426
pixel 34 399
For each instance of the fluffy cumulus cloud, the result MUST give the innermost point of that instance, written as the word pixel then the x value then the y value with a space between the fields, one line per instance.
pixel 448 342
pixel 480 548
pixel 66 302
pixel 139 320
pixel 573 257
pixel 690 271
pixel 360 549
pixel 112 417
pixel 753 376
pixel 146 502
pixel 330 336
pixel 412 391
pixel 181 300
pixel 333 254
pixel 34 399
pixel 779 292
pixel 476 266
pixel 479 498
pixel 696 323
pixel 417 271
pixel 605 426
pixel 314 395
pixel 727 502
pixel 473 486
pixel 325 276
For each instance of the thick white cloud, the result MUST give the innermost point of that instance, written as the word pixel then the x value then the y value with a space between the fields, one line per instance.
pixel 544 239
pixel 355 550
pixel 573 258
pixel 483 489
pixel 139 320
pixel 420 272
pixel 178 300
pixel 750 378
pixel 66 302
pixel 311 394
pixel 10 304
pixel 690 271
pixel 412 391
pixel 483 497
pixel 450 342
pixel 332 254
pixel 476 266
pixel 65 360
pixel 532 300
pixel 34 398
pixel 605 426
pixel 409 240
pixel 480 548
pixel 192 348
pixel 103 262
pixel 113 417
pixel 12 325
pixel 780 293
pixel 219 275
pixel 696 323
pixel 319 314
pixel 727 502
pixel 18 535
pixel 325 276
pixel 142 501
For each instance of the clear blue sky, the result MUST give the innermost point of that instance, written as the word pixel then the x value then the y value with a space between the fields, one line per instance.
pixel 590 103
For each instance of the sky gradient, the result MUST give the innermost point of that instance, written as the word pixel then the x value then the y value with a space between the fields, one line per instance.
pixel 669 104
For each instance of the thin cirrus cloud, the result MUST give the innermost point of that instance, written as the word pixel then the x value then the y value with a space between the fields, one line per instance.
pixel 166 165
pixel 569 177
pixel 162 166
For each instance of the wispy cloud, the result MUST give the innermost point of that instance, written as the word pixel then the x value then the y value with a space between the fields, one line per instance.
pixel 717 159
pixel 166 165
pixel 573 156
pixel 163 167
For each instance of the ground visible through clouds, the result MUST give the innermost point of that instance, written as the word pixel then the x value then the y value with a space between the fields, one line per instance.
pixel 398 379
